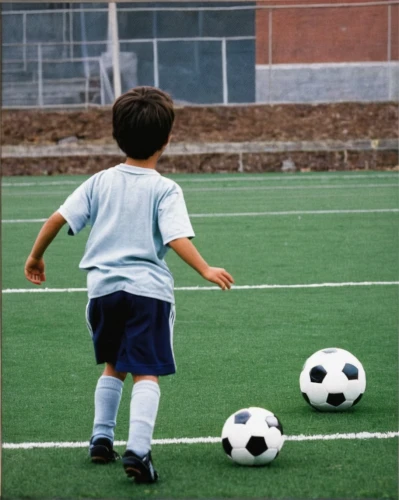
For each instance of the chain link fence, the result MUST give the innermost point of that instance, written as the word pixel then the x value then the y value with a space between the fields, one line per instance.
pixel 209 53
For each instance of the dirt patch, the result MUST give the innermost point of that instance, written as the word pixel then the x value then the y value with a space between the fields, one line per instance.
pixel 288 122
pixel 252 162
pixel 323 122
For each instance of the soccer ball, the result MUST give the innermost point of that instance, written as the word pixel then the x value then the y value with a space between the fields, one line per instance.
pixel 252 436
pixel 332 380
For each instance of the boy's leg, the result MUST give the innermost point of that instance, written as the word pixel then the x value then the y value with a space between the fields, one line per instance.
pixel 148 348
pixel 107 398
pixel 143 412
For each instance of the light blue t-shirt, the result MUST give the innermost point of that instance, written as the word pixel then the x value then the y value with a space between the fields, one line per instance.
pixel 134 213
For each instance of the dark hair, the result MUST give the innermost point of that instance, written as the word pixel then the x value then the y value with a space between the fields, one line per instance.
pixel 142 120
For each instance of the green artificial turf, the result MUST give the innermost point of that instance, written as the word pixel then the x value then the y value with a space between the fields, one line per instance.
pixel 332 469
pixel 235 349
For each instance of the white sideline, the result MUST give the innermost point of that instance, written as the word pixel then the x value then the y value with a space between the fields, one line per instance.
pixel 276 188
pixel 203 288
pixel 234 177
pixel 258 188
pixel 204 440
pixel 21 221
pixel 52 183
pixel 301 212
pixel 255 214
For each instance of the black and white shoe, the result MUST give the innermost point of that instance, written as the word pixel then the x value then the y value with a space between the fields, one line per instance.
pixel 141 469
pixel 101 451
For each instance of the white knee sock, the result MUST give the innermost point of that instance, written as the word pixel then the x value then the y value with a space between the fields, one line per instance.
pixel 106 404
pixel 143 413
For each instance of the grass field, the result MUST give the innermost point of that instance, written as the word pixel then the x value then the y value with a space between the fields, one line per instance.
pixel 235 349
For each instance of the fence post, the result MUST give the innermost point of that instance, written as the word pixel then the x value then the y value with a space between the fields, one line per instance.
pixel 113 24
pixel 270 54
pixel 87 90
pixel 102 95
pixel 389 31
pixel 200 20
pixel 389 51
pixel 156 67
pixel 64 35
pixel 83 44
pixel 71 34
pixel 224 73
pixel 24 39
pixel 40 74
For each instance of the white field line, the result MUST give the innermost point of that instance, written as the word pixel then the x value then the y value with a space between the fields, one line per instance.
pixel 301 187
pixel 254 214
pixel 53 183
pixel 288 177
pixel 206 288
pixel 204 440
pixel 32 193
pixel 299 212
pixel 234 178
pixel 253 188
pixel 21 221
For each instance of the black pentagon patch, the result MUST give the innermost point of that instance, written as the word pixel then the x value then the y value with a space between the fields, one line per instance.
pixel 227 446
pixel 357 399
pixel 317 374
pixel 256 445
pixel 335 399
pixel 242 417
pixel 351 371
pixel 274 422
pixel 331 350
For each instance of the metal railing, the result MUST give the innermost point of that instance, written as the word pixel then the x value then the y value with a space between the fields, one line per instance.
pixel 94 68
pixel 106 87
pixel 34 57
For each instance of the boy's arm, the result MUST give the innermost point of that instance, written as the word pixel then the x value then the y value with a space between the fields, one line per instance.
pixel 34 266
pixel 187 251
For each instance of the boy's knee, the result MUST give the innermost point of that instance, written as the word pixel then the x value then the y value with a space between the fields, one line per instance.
pixel 139 378
pixel 110 371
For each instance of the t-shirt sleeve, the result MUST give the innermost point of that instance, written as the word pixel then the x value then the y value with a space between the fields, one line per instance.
pixel 173 219
pixel 76 209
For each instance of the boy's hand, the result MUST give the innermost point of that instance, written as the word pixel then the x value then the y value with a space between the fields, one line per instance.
pixel 34 266
pixel 34 270
pixel 187 251
pixel 219 276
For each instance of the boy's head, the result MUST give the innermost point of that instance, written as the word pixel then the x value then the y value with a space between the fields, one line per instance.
pixel 142 120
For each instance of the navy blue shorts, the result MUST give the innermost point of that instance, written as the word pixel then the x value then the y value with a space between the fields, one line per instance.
pixel 133 333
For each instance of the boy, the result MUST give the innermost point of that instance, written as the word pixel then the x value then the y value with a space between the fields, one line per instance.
pixel 135 215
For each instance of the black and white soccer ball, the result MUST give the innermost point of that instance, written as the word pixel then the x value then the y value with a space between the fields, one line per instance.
pixel 252 436
pixel 332 380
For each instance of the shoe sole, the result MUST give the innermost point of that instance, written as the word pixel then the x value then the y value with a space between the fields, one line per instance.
pixel 132 472
pixel 99 455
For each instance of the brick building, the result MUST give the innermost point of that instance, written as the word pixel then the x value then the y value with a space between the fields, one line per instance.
pixel 307 53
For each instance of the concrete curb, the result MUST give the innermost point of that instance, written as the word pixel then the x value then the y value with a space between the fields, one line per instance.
pixel 175 149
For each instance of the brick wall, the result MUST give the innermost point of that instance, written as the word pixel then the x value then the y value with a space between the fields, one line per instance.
pixel 326 35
